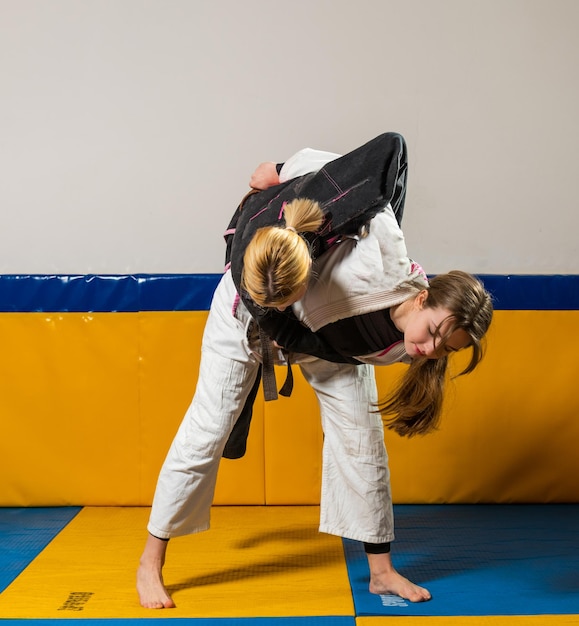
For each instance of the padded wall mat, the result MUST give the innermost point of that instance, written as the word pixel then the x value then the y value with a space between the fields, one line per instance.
pixel 255 562
pixel 479 560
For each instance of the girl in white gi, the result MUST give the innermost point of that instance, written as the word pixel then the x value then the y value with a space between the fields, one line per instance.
pixel 373 305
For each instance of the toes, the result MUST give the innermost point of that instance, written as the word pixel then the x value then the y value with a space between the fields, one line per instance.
pixel 421 595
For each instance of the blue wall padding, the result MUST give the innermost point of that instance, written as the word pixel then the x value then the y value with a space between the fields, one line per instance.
pixel 106 293
pixel 193 292
pixel 555 292
pixel 478 560
pixel 24 533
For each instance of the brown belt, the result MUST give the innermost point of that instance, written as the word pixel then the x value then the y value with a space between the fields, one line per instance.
pixel 268 373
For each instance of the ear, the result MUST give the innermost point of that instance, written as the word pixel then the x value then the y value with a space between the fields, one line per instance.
pixel 421 298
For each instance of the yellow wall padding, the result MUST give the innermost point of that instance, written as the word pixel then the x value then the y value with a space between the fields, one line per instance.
pixel 89 404
pixel 70 409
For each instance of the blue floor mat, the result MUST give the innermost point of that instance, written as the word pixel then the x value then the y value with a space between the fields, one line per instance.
pixel 24 533
pixel 479 560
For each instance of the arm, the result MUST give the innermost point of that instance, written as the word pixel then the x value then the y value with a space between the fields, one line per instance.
pixel 305 161
pixel 264 176
pixel 289 333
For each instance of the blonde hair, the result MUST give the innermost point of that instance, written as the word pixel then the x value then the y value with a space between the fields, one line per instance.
pixel 415 405
pixel 277 261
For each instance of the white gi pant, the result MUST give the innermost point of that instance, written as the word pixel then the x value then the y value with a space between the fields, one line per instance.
pixel 355 500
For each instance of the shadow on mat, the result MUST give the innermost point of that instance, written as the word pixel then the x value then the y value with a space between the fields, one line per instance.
pixel 311 556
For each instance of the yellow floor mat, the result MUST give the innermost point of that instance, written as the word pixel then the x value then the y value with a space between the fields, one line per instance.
pixel 254 562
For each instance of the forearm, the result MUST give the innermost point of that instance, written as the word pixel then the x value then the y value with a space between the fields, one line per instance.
pixel 305 161
pixel 265 176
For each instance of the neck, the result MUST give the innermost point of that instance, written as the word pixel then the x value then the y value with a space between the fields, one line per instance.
pixel 399 314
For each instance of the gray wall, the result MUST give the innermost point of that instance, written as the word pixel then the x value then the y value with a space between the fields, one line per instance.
pixel 129 128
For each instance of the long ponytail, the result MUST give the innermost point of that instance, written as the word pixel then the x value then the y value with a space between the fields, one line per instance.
pixel 277 261
pixel 414 407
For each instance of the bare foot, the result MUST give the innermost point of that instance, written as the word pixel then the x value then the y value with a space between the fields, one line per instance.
pixel 395 584
pixel 150 586
pixel 385 580
pixel 151 590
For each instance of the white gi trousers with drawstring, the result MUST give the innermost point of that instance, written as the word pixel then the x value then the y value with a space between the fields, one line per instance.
pixel 355 501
